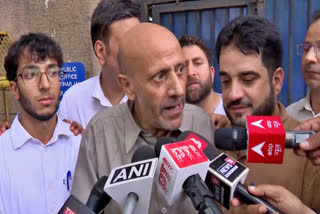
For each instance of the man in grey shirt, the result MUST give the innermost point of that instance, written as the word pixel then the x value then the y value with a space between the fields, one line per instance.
pixel 153 77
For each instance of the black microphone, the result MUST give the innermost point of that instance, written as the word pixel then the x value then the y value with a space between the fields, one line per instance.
pixel 225 177
pixel 208 149
pixel 143 153
pixel 236 138
pixel 98 198
pixel 161 142
pixel 74 205
pixel 179 168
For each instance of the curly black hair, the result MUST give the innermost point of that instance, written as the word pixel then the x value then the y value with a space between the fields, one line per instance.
pixel 37 45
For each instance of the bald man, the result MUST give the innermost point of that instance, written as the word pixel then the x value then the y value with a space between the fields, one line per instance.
pixel 153 77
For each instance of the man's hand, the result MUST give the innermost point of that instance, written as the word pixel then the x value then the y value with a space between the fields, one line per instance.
pixel 75 128
pixel 279 197
pixel 4 126
pixel 220 120
pixel 310 147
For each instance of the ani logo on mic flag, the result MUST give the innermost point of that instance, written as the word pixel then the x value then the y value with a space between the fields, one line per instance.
pixel 266 139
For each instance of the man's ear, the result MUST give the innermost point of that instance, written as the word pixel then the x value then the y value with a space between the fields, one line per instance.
pixel 126 85
pixel 14 89
pixel 212 73
pixel 100 50
pixel 277 80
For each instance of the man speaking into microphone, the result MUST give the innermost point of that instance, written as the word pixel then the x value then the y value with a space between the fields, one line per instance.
pixel 153 77
pixel 249 53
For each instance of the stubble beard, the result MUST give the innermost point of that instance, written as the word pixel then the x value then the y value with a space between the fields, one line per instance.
pixel 26 105
pixel 265 109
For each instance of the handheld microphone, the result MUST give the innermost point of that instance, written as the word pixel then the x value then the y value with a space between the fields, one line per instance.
pixel 236 138
pixel 225 179
pixel 178 163
pixel 74 206
pixel 143 153
pixel 97 200
pixel 264 137
pixel 131 185
pixel 203 144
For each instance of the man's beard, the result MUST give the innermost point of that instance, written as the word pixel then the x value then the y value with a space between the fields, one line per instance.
pixel 195 96
pixel 26 105
pixel 265 109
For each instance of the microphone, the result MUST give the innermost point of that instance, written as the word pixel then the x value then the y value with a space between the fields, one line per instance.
pixel 226 177
pixel 143 153
pixel 97 200
pixel 182 168
pixel 236 138
pixel 131 185
pixel 74 206
pixel 208 149
pixel 264 137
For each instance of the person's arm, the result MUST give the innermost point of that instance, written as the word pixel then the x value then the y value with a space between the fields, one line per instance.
pixel 279 197
pixel 310 147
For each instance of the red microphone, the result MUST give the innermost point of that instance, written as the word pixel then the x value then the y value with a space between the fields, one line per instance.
pixel 203 144
pixel 181 169
pixel 265 139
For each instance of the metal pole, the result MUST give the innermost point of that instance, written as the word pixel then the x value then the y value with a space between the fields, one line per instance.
pixel 131 203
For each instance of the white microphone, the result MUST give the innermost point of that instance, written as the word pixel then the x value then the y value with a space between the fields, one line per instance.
pixel 181 169
pixel 131 185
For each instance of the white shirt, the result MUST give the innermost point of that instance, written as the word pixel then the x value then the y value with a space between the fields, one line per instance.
pixel 302 109
pixel 33 176
pixel 83 100
pixel 220 109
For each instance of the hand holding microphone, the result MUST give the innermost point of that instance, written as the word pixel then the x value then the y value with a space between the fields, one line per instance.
pixel 264 138
pixel 225 175
pixel 225 178
pixel 310 147
pixel 279 197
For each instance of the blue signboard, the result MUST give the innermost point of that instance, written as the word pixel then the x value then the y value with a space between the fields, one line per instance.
pixel 74 73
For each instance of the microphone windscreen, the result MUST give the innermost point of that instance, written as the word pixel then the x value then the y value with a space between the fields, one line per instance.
pixel 98 198
pixel 232 139
pixel 162 141
pixel 143 153
pixel 210 151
